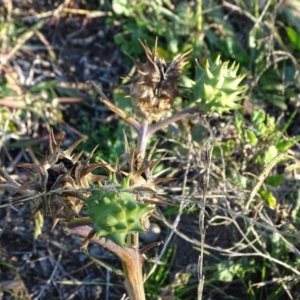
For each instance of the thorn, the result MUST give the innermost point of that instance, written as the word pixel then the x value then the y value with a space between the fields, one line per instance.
pixel 116 165
pixel 150 246
pixel 87 240
pixel 76 157
pixel 132 158
pixel 153 164
pixel 73 146
pixel 96 178
pixel 149 54
pixel 155 45
pixel 60 141
pixel 152 150
pixel 126 144
pixel 160 180
pixel 31 185
pixel 51 142
pixel 54 223
pixel 89 168
pixel 92 154
pixel 55 219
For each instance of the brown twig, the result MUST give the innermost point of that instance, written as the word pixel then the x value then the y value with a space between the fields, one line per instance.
pixel 131 121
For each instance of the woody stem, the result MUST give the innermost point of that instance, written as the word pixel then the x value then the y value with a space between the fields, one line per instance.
pixel 132 261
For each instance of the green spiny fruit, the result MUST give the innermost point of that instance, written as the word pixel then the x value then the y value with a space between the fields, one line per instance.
pixel 115 214
pixel 217 86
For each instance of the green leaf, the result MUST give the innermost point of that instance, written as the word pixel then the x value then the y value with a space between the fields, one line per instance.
pixel 252 137
pixel 261 129
pixel 225 275
pixel 276 100
pixel 7 265
pixel 258 116
pixel 270 153
pixel 269 198
pixel 43 86
pixel 227 270
pixel 120 7
pixel 294 37
pixel 239 123
pixel 284 145
pixel 275 180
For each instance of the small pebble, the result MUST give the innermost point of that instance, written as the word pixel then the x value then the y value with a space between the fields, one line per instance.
pixel 152 235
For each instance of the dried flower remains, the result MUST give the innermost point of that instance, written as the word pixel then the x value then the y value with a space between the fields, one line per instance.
pixel 58 179
pixel 154 88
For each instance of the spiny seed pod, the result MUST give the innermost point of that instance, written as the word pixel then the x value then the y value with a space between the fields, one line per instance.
pixel 115 214
pixel 154 87
pixel 217 86
pixel 60 175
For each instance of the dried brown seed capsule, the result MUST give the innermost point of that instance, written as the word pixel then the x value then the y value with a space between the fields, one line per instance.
pixel 154 87
pixel 60 175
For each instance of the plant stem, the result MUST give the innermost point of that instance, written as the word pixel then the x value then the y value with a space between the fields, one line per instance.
pixel 199 15
pixel 145 132
pixel 131 258
pixel 77 222
pixel 178 116
pixel 132 261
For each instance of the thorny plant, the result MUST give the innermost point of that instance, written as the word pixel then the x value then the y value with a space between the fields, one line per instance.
pixel 118 206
